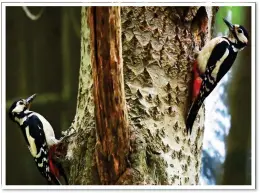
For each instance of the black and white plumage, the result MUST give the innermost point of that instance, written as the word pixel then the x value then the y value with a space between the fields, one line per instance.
pixel 40 138
pixel 213 62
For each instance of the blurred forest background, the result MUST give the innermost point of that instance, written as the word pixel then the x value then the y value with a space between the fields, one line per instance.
pixel 43 57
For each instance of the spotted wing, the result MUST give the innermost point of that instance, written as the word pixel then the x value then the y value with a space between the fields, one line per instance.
pixel 38 146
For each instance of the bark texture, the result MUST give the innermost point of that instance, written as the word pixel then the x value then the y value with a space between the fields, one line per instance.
pixel 112 130
pixel 158 48
pixel 80 154
pixel 158 51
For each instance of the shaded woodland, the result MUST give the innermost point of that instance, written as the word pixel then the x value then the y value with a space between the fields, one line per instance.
pixel 158 45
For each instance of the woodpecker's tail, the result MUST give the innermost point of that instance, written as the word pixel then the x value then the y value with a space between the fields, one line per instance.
pixel 194 109
pixel 54 180
pixel 62 172
pixel 56 172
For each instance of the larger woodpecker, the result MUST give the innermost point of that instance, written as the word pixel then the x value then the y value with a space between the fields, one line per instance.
pixel 40 138
pixel 213 62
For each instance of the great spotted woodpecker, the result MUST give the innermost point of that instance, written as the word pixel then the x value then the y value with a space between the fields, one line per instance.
pixel 40 138
pixel 213 62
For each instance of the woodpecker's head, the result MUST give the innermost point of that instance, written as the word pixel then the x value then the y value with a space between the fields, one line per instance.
pixel 18 108
pixel 239 33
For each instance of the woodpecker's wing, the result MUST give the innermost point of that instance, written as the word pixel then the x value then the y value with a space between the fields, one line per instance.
pixel 209 80
pixel 36 135
pixel 38 147
pixel 216 59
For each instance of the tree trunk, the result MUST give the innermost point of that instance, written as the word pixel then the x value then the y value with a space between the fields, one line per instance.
pixel 112 146
pixel 158 49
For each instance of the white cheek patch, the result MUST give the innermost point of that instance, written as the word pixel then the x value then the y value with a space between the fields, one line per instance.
pixel 18 108
pixel 242 37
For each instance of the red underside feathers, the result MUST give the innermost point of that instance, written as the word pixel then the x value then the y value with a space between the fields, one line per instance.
pixel 53 169
pixel 196 81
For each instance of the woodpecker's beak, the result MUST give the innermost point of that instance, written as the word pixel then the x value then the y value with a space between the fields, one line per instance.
pixel 29 100
pixel 230 25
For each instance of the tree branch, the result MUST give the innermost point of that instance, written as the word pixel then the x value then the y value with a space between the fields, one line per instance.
pixel 32 16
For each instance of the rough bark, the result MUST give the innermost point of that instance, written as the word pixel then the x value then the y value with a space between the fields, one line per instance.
pixel 159 45
pixel 158 48
pixel 79 157
pixel 112 130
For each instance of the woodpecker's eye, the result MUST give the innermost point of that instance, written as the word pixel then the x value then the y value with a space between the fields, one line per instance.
pixel 239 31
pixel 21 103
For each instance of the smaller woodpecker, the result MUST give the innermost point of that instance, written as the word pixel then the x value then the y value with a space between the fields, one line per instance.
pixel 213 62
pixel 40 138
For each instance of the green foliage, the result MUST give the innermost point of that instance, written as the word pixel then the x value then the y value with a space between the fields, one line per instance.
pixel 236 17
